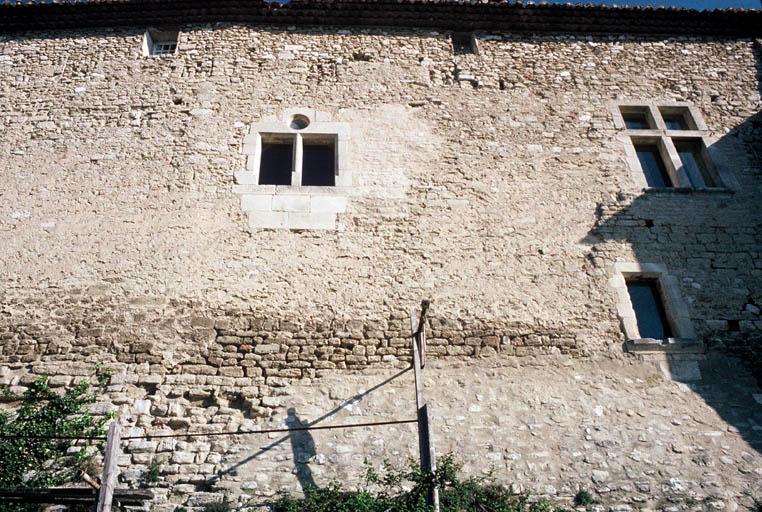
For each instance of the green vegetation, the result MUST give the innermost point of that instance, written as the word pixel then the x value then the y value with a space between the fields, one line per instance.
pixel 583 499
pixel 151 476
pixel 219 506
pixel 39 462
pixel 406 491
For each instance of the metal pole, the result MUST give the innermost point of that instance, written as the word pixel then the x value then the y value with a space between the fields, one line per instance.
pixel 425 434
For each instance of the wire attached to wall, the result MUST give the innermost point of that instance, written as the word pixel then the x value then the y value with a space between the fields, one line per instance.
pixel 214 434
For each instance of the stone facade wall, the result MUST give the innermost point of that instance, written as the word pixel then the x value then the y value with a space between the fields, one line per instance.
pixel 493 183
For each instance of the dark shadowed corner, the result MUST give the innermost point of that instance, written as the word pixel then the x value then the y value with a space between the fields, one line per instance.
pixel 709 229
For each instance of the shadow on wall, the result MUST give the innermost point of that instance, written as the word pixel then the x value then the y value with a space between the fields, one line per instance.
pixel 302 443
pixel 302 449
pixel 709 242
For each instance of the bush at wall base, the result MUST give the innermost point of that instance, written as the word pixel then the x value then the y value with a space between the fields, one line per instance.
pixel 406 490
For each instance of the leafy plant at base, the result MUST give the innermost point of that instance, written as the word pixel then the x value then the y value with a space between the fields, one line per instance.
pixel 583 498
pixel 542 506
pixel 37 462
pixel 406 491
pixel 151 476
pixel 218 506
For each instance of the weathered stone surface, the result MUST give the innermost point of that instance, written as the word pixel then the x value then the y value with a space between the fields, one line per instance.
pixel 496 187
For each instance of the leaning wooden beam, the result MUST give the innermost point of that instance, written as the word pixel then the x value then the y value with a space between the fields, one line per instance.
pixel 108 478
pixel 425 432
pixel 416 362
pixel 89 480
pixel 421 331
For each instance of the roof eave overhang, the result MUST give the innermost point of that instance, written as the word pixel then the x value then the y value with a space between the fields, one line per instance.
pixel 487 16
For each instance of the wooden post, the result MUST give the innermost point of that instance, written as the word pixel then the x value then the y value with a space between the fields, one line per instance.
pixel 425 434
pixel 108 478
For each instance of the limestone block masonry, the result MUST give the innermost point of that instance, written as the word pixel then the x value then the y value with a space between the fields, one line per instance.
pixel 135 234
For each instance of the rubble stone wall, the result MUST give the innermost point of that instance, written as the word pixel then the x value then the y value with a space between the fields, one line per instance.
pixel 493 183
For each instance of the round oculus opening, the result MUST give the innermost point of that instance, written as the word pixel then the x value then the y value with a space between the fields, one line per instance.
pixel 299 122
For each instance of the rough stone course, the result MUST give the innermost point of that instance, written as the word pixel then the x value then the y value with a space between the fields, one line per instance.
pixel 494 183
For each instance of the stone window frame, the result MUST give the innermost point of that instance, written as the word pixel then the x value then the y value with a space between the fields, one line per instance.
pixel 663 138
pixel 320 124
pixel 684 336
pixel 295 207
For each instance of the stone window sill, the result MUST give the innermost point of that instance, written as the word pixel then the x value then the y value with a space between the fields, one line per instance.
pixel 246 188
pixel 688 190
pixel 672 345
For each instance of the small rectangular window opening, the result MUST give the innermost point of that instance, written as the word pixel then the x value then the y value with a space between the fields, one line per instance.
pixel 636 118
pixel 319 161
pixel 677 118
pixel 463 43
pixel 691 152
pixel 277 161
pixel 652 164
pixel 649 309
pixel 161 42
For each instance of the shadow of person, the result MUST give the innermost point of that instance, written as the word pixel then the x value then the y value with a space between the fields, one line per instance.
pixel 303 449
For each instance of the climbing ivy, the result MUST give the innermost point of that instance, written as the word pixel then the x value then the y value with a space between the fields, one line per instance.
pixel 27 462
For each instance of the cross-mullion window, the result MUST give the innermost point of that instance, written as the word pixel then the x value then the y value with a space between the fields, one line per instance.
pixel 671 146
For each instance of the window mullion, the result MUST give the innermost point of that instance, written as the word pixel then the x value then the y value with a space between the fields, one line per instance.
pixel 655 115
pixel 296 176
pixel 674 165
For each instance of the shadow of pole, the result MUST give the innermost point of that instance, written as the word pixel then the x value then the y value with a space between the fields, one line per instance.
pixel 289 436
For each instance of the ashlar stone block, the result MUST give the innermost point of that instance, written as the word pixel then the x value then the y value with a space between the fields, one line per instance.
pixel 291 203
pixel 328 204
pixel 257 202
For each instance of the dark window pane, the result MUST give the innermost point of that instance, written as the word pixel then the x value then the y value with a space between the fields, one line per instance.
pixel 318 165
pixel 276 163
pixel 636 120
pixel 652 165
pixel 462 43
pixel 693 163
pixel 649 310
pixel 675 122
pixel 162 42
pixel 164 48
